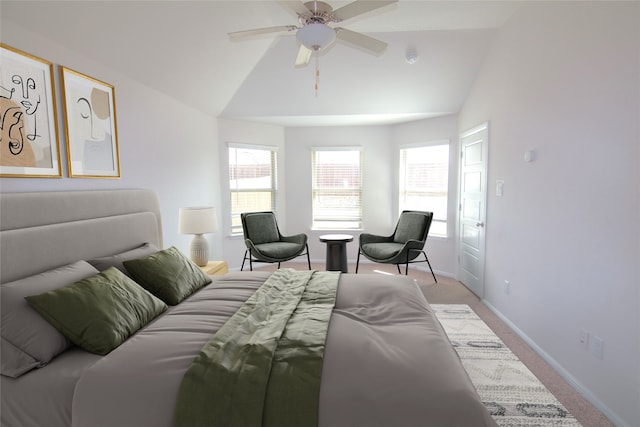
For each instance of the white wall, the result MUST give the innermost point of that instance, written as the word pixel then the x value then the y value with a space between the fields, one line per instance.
pixel 564 80
pixel 164 145
pixel 242 132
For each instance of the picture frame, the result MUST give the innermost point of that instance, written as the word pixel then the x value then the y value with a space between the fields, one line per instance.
pixel 29 144
pixel 90 126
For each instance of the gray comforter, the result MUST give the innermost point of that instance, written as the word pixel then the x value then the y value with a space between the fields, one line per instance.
pixel 387 360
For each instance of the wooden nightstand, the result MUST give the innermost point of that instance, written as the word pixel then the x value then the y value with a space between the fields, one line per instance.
pixel 216 268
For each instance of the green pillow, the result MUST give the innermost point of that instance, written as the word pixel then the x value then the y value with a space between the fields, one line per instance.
pixel 167 274
pixel 100 312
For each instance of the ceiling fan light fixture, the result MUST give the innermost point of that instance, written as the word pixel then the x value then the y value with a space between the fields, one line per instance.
pixel 316 36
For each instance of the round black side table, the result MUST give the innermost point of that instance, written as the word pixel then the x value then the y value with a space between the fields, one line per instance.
pixel 337 251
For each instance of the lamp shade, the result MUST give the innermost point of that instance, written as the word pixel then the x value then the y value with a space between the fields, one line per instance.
pixel 316 36
pixel 197 220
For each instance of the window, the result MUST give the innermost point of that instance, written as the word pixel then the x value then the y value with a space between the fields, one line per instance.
pixel 252 181
pixel 424 182
pixel 337 188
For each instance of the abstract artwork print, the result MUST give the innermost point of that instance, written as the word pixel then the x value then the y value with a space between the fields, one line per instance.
pixel 90 118
pixel 28 123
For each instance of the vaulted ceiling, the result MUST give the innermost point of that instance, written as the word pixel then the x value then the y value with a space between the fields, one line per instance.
pixel 181 48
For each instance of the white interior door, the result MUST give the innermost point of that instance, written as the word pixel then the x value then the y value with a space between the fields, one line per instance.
pixel 474 146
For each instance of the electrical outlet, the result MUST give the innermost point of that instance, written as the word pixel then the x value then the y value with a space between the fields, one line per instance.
pixel 597 347
pixel 507 286
pixel 584 340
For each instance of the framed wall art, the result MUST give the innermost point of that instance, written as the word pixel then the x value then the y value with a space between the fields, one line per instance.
pixel 91 131
pixel 29 145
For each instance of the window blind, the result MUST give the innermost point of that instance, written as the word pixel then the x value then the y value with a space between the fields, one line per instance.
pixel 337 189
pixel 424 182
pixel 252 182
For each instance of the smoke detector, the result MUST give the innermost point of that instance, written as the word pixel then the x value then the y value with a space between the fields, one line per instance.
pixel 411 56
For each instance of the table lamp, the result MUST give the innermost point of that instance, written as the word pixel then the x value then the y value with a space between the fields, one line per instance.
pixel 198 221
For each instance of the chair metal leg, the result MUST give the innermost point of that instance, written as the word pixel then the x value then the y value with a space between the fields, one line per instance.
pixel 244 259
pixel 426 258
pixel 407 262
pixel 278 266
pixel 358 261
pixel 406 268
pixel 308 259
pixel 432 273
pixel 250 263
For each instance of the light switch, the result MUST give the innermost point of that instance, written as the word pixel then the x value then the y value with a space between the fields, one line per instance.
pixel 499 187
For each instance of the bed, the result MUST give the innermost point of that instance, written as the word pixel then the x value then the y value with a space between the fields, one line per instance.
pixel 386 360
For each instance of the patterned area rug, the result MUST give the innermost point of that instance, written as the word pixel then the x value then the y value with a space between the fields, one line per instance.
pixel 511 393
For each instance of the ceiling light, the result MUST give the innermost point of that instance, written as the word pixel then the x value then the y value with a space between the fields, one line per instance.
pixel 316 36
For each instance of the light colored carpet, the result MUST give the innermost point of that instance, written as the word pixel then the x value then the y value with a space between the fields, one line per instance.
pixel 511 392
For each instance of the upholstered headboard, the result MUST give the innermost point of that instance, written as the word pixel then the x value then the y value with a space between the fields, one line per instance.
pixel 44 230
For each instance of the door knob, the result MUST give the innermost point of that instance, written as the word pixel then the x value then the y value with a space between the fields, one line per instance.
pixel 479 224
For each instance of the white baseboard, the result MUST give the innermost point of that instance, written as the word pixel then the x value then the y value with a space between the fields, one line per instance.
pixel 560 370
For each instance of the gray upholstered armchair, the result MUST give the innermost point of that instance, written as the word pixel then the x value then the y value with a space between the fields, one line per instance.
pixel 403 246
pixel 265 243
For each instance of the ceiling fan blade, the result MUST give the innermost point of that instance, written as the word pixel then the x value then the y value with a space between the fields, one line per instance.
pixel 359 7
pixel 360 40
pixel 258 31
pixel 296 6
pixel 304 56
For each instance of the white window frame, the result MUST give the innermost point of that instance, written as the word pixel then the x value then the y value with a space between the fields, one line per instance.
pixel 336 220
pixel 234 190
pixel 439 225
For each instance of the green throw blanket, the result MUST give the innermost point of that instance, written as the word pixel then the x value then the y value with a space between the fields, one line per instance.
pixel 262 368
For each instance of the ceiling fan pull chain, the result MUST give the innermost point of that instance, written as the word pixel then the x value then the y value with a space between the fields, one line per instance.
pixel 317 74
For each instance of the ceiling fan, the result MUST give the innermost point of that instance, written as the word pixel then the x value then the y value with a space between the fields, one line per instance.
pixel 315 32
